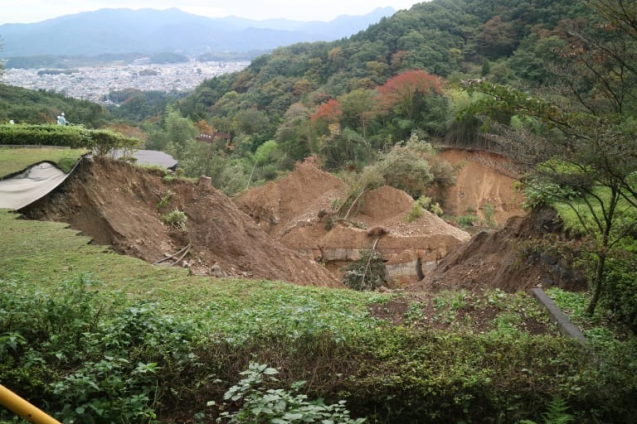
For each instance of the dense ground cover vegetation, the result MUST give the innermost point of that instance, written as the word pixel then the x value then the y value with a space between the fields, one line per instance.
pixel 134 341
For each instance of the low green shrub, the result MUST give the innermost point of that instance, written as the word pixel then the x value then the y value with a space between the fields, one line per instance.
pixel 465 220
pixel 165 199
pixel 415 212
pixel 261 405
pixel 101 142
pixel 428 204
pixel 176 218
pixel 488 211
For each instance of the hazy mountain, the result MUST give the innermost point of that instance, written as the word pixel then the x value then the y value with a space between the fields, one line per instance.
pixel 150 31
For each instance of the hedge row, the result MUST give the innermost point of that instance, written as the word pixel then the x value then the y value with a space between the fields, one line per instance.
pixel 99 141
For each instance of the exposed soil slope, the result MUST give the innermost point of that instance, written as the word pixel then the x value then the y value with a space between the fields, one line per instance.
pixel 503 260
pixel 297 198
pixel 294 210
pixel 483 179
pixel 117 204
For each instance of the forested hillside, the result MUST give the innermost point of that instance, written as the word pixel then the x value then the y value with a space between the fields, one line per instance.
pixel 40 107
pixel 348 99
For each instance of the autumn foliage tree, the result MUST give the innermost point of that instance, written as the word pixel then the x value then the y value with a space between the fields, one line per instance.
pixel 404 93
pixel 329 112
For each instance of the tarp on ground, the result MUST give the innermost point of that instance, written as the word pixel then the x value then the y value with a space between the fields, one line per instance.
pixel 30 185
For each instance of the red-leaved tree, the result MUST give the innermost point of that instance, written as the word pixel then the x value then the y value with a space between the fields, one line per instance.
pixel 403 94
pixel 329 112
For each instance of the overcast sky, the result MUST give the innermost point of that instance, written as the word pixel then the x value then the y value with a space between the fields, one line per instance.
pixel 27 11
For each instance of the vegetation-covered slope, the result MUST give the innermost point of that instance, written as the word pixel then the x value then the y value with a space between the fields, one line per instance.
pixel 98 336
pixel 348 100
pixel 444 38
pixel 40 107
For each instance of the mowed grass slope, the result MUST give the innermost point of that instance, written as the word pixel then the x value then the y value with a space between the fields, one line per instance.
pixel 15 160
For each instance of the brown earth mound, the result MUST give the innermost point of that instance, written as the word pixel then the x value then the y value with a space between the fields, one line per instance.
pixel 296 198
pixel 118 204
pixel 503 260
pixel 297 210
pixel 484 181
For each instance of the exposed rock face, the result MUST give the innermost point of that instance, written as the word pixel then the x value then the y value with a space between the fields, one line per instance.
pixel 122 205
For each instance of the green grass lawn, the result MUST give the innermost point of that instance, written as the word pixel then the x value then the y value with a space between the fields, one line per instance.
pixel 15 160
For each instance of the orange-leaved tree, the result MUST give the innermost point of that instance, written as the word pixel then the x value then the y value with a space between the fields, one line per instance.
pixel 329 112
pixel 405 93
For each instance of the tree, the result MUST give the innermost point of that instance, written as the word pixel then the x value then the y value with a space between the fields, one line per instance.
pixel 585 154
pixel 294 135
pixel 357 109
pixel 588 164
pixel 404 94
pixel 328 113
pixel 497 38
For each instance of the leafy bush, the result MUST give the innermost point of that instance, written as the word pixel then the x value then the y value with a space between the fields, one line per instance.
pixel 176 218
pixel 488 210
pixel 165 199
pixel 100 142
pixel 428 204
pixel 415 212
pixel 367 273
pixel 465 220
pixel 405 170
pixel 90 364
pixel 436 209
pixel 621 286
pixel 279 406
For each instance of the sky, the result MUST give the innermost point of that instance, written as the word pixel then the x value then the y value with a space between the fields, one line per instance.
pixel 29 11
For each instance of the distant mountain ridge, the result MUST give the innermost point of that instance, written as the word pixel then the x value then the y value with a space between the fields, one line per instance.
pixel 172 30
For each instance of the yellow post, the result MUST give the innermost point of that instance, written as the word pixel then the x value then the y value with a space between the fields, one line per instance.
pixel 24 408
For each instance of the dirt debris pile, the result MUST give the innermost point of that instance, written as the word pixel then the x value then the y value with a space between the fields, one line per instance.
pixel 293 210
pixel 122 205
pixel 509 259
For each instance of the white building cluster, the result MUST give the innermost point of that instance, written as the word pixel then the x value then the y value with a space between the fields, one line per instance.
pixel 93 83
